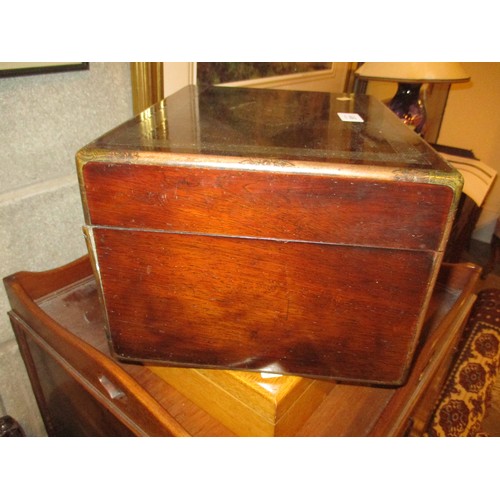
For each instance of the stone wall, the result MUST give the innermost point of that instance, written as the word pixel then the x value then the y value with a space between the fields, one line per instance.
pixel 45 119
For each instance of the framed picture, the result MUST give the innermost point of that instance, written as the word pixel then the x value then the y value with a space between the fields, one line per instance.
pixel 215 73
pixel 36 68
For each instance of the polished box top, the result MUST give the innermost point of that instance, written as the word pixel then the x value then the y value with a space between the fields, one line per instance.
pixel 293 126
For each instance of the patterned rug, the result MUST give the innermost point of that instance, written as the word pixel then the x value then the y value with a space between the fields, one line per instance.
pixel 491 422
pixel 467 396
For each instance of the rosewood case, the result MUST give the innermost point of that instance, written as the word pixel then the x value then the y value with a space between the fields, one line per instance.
pixel 267 230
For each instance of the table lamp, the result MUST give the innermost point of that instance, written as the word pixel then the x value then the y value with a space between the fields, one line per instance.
pixel 407 103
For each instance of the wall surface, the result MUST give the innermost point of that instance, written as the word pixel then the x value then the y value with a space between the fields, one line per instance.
pixel 471 121
pixel 45 119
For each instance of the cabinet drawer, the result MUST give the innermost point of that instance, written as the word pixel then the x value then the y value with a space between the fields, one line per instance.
pixel 113 389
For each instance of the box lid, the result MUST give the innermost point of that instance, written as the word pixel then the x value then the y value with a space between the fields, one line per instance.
pixel 319 127
pixel 287 149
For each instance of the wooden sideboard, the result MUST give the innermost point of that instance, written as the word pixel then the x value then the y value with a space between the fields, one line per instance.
pixel 82 391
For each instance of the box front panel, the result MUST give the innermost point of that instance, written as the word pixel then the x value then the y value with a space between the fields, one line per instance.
pixel 323 310
pixel 272 204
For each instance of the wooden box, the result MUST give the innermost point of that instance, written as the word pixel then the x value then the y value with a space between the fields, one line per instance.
pixel 248 403
pixel 272 231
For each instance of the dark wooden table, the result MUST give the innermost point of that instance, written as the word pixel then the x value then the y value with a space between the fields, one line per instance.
pixel 81 390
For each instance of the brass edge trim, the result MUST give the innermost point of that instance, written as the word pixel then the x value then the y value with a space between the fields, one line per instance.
pixel 454 180
pixel 89 240
pixel 94 262
pixel 456 184
pixel 80 163
pixel 161 158
pixel 433 277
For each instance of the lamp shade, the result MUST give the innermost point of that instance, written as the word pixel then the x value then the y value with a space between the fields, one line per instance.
pixel 413 72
